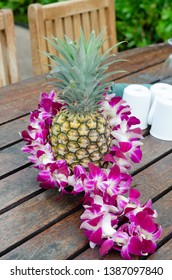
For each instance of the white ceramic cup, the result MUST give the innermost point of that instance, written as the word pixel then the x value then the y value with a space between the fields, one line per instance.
pixel 159 89
pixel 160 117
pixel 139 98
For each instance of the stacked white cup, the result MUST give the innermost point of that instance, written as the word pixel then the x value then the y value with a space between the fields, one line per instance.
pixel 160 115
pixel 152 107
pixel 160 89
pixel 139 99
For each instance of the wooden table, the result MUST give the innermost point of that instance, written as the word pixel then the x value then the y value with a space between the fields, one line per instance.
pixel 33 224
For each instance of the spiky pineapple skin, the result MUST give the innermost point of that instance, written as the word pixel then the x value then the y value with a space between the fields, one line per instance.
pixel 80 139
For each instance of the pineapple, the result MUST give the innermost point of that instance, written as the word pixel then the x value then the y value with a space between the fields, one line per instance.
pixel 80 138
pixel 80 133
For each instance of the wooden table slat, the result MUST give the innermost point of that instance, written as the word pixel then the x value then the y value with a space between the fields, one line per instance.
pixel 152 149
pixel 12 158
pixel 17 186
pixel 28 91
pixel 16 126
pixel 48 241
pixel 10 131
pixel 50 245
pixel 153 180
pixel 164 253
pixel 29 223
pixel 24 187
pixel 164 219
pixel 36 213
pixel 148 75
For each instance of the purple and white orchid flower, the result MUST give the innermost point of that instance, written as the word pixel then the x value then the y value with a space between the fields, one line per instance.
pixel 113 217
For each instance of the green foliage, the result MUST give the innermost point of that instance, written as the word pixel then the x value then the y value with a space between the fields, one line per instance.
pixel 139 22
pixel 19 8
pixel 143 22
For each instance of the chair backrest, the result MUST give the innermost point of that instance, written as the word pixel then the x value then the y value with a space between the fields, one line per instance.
pixel 67 18
pixel 8 57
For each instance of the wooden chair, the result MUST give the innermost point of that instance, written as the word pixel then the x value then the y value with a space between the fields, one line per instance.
pixel 8 57
pixel 66 18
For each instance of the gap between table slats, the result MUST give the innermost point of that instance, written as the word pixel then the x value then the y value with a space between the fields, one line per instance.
pixel 22 97
pixel 50 244
pixel 145 181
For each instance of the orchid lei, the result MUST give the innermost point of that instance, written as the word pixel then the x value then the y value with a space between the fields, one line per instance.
pixel 113 217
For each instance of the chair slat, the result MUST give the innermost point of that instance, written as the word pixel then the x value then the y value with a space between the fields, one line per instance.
pixel 68 27
pixel 3 74
pixel 68 18
pixel 94 21
pixel 50 29
pixel 86 24
pixel 103 25
pixel 8 56
pixel 76 25
pixel 59 28
pixel 2 26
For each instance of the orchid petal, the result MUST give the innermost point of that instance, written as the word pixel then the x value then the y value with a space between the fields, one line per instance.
pixel 106 246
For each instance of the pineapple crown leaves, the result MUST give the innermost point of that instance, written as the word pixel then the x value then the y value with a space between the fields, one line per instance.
pixel 80 72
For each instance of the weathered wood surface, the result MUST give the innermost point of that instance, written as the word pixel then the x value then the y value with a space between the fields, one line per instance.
pixel 163 206
pixel 34 225
pixel 50 244
pixel 10 132
pixel 32 215
pixel 13 188
pixel 152 149
pixel 20 98
pixel 148 185
pixel 50 238
pixel 18 186
pixel 12 158
pixel 164 253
